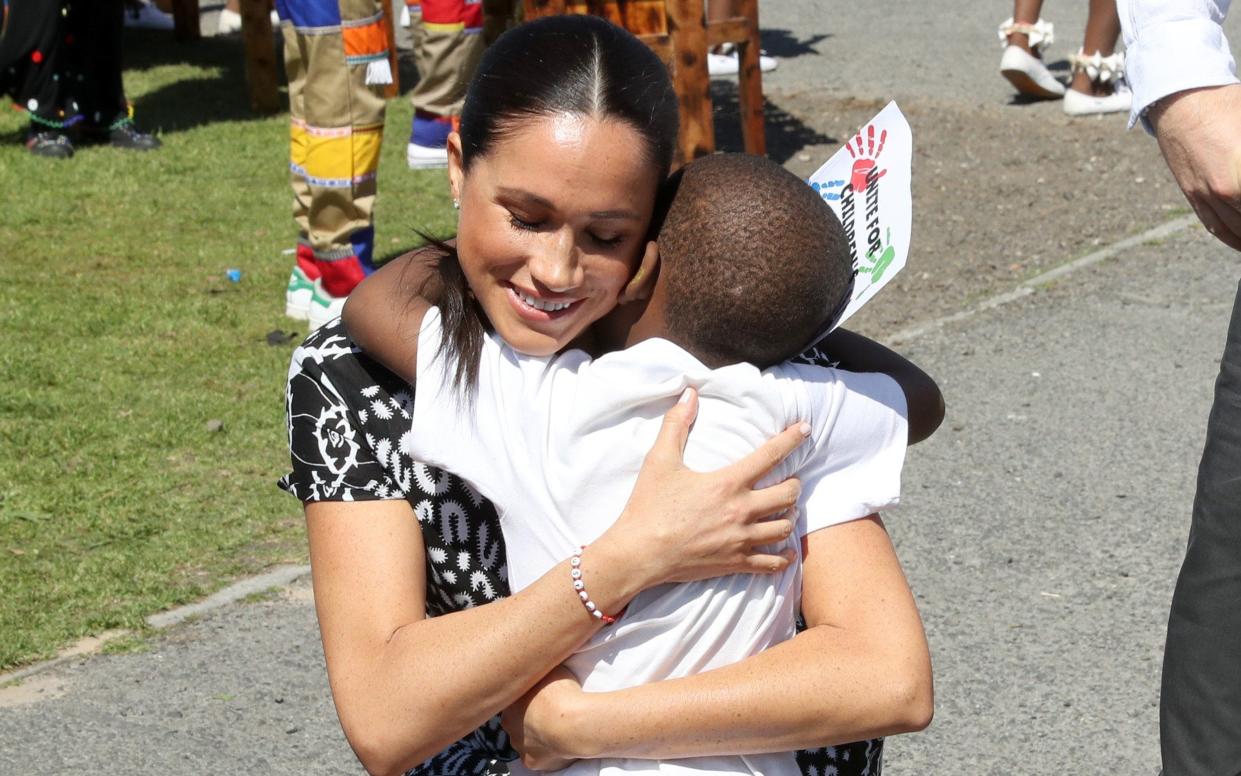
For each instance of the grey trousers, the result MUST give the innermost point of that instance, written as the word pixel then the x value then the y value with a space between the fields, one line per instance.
pixel 1200 703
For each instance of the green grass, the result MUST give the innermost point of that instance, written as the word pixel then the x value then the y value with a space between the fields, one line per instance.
pixel 122 338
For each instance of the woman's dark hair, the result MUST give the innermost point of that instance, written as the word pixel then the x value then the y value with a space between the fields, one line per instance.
pixel 574 64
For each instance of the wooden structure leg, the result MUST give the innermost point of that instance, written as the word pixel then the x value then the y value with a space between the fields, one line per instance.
pixel 750 81
pixel 678 32
pixel 687 32
pixel 256 35
pixel 185 20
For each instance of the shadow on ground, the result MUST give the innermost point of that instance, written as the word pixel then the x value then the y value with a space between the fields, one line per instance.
pixel 783 44
pixel 786 134
pixel 224 96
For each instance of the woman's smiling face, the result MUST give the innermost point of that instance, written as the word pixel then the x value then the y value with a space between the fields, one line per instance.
pixel 552 223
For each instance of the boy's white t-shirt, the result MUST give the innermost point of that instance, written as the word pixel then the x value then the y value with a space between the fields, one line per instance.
pixel 556 444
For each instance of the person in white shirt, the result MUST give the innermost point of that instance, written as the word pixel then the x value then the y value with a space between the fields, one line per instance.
pixel 748 275
pixel 1186 92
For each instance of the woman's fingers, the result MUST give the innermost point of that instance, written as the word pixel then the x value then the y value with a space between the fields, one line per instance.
pixel 773 500
pixel 754 466
pixel 760 563
pixel 670 444
pixel 771 531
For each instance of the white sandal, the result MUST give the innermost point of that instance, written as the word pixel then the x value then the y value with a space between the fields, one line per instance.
pixel 1026 72
pixel 1100 70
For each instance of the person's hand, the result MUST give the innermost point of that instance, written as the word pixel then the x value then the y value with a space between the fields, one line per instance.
pixel 1199 133
pixel 531 722
pixel 680 525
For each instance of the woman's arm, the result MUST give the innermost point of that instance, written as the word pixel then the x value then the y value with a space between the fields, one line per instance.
pixel 406 686
pixel 862 670
pixel 860 354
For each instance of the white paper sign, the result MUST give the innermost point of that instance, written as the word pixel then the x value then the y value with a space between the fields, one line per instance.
pixel 867 184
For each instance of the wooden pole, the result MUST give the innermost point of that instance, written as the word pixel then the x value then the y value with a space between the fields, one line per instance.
pixel 750 84
pixel 185 21
pixel 260 53
pixel 687 28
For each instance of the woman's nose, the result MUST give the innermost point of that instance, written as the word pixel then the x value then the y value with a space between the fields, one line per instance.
pixel 556 267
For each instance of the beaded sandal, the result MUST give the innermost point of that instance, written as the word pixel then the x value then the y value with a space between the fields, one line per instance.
pixel 1101 71
pixel 1024 71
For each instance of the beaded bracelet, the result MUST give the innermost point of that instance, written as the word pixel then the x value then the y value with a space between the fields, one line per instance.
pixel 575 573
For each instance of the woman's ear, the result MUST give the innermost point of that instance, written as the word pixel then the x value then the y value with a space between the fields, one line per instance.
pixel 456 167
pixel 642 283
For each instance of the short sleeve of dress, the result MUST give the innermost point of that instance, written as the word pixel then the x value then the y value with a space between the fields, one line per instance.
pixel 347 418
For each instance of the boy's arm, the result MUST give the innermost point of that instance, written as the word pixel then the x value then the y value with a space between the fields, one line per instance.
pixel 384 313
pixel 922 396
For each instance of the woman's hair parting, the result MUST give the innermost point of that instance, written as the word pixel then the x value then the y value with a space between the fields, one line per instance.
pixel 575 64
pixel 754 261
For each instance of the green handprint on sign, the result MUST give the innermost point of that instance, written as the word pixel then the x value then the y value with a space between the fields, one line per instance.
pixel 880 265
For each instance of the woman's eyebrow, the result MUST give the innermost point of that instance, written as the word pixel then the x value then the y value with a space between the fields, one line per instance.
pixel 524 196
pixel 531 198
pixel 625 214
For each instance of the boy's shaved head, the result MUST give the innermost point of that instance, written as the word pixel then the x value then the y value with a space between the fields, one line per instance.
pixel 753 260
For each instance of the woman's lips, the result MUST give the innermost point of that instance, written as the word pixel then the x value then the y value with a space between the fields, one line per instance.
pixel 532 308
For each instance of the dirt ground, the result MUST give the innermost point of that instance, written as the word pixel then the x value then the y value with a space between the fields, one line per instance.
pixel 1001 192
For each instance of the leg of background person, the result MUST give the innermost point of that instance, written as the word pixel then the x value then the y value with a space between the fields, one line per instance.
pixel 1200 701
pixel 449 44
pixel 35 67
pixel 300 291
pixel 1102 32
pixel 97 30
pixel 498 16
pixel 1025 12
pixel 1024 38
pixel 344 48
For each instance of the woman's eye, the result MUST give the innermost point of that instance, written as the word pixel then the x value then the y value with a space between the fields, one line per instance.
pixel 607 242
pixel 520 223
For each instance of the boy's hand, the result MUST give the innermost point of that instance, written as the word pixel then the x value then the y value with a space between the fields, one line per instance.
pixel 923 400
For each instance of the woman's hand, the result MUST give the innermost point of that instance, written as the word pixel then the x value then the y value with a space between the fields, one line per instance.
pixel 680 525
pixel 531 722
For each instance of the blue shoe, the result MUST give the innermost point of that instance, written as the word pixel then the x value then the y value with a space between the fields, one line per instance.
pixel 428 141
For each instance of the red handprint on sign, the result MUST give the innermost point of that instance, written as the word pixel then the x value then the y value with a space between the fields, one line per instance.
pixel 865 156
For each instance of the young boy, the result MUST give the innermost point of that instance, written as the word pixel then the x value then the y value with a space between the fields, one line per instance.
pixel 750 273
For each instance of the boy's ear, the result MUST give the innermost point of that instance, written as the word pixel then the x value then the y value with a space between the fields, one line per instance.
pixel 642 283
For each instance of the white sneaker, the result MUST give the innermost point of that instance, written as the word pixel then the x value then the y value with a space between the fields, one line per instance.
pixel 230 22
pixel 1028 74
pixel 424 158
pixel 728 63
pixel 298 295
pixel 324 307
pixel 148 17
pixel 1078 104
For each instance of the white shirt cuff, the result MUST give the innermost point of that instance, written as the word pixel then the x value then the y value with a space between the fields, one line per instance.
pixel 1173 56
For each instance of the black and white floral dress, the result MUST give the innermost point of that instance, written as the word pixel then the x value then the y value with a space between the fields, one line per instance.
pixel 349 427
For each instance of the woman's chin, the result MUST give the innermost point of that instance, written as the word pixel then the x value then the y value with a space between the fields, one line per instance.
pixel 530 342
